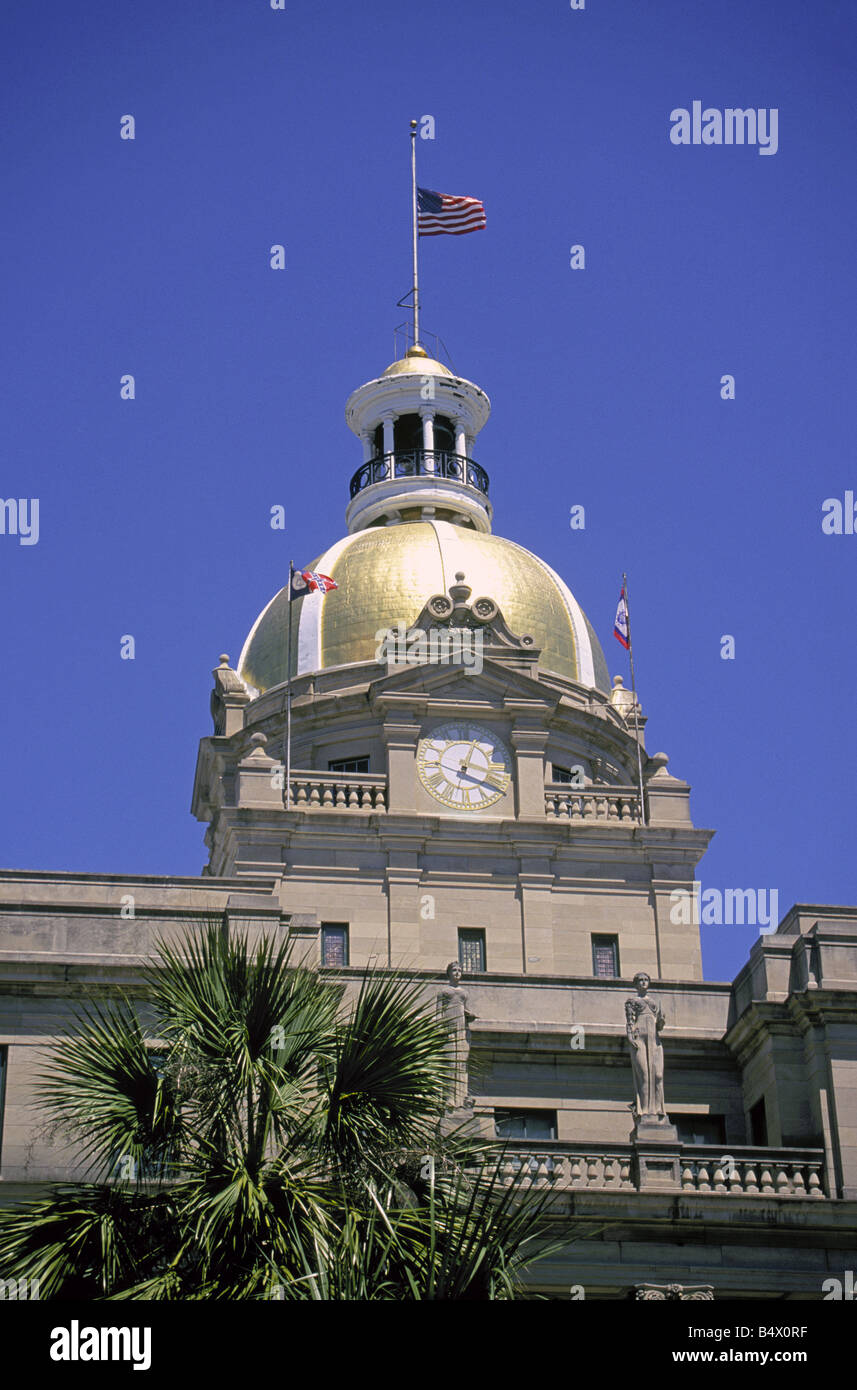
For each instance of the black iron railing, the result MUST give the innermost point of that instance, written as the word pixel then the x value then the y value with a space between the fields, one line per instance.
pixel 416 463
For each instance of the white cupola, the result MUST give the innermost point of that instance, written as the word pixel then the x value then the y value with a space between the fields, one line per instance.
pixel 417 424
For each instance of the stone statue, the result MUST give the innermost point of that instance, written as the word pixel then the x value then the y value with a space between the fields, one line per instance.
pixel 644 1020
pixel 452 1006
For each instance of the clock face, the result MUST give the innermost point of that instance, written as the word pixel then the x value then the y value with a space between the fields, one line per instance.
pixel 464 765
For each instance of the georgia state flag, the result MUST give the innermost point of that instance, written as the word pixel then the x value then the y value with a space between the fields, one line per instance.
pixel 620 624
pixel 310 581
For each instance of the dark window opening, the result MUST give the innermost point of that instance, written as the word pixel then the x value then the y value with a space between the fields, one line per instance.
pixel 574 775
pixel 348 765
pixel 605 957
pixel 471 949
pixel 759 1124
pixel 525 1124
pixel 700 1129
pixel 408 435
pixel 334 944
pixel 444 434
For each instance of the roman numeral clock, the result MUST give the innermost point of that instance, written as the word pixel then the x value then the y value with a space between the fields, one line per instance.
pixel 464 765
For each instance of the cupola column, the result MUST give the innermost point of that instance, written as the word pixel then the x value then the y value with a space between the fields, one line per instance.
pixel 388 433
pixel 368 445
pixel 460 438
pixel 427 414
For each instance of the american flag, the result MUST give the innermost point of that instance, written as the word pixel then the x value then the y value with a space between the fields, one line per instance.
pixel 438 213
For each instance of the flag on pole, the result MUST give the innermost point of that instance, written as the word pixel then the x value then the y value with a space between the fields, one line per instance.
pixel 310 581
pixel 439 213
pixel 620 624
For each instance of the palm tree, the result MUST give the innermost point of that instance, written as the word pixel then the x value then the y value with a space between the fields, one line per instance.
pixel 276 1139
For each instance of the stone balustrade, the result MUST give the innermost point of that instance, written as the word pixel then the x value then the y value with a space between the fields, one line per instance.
pixel 753 1172
pixel 617 804
pixel 327 791
pixel 745 1172
pixel 602 1167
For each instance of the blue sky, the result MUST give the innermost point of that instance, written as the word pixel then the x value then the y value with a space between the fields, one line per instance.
pixel 256 127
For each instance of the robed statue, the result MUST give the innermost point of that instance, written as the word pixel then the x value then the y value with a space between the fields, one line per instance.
pixel 644 1021
pixel 452 1007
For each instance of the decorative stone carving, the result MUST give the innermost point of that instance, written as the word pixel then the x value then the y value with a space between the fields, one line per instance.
pixel 667 1292
pixel 482 615
pixel 228 698
pixel 452 1007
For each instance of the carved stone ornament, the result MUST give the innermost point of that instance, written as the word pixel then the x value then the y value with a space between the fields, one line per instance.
pixel 668 1292
pixel 483 614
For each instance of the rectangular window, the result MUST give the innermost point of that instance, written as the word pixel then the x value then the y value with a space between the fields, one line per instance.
pixel 759 1124
pixel 525 1124
pixel 605 957
pixel 700 1129
pixel 334 943
pixel 4 1057
pixel 574 775
pixel 349 765
pixel 471 949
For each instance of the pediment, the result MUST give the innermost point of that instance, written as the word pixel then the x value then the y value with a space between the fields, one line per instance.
pixel 495 685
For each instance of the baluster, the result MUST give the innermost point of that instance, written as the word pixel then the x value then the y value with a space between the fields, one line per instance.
pixel 687 1177
pixel 327 795
pixel 782 1180
pixel 815 1188
pixel 767 1180
pixel 315 794
pixel 702 1179
pixel 751 1182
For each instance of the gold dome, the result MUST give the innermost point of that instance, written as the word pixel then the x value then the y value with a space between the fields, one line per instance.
pixel 385 576
pixel 419 364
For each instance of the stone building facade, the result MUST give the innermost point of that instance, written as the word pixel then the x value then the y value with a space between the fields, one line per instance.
pixel 467 785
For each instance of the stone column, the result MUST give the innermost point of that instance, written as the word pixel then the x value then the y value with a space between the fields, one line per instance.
pixel 427 414
pixel 529 744
pixel 401 738
pixel 388 434
pixel 460 438
pixel 368 445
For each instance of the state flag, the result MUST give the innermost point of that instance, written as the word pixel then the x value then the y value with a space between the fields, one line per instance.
pixel 621 629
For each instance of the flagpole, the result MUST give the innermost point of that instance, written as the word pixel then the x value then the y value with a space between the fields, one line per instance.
pixel 289 694
pixel 416 289
pixel 634 693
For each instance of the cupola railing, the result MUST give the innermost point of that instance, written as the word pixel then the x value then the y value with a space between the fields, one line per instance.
pixel 420 463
